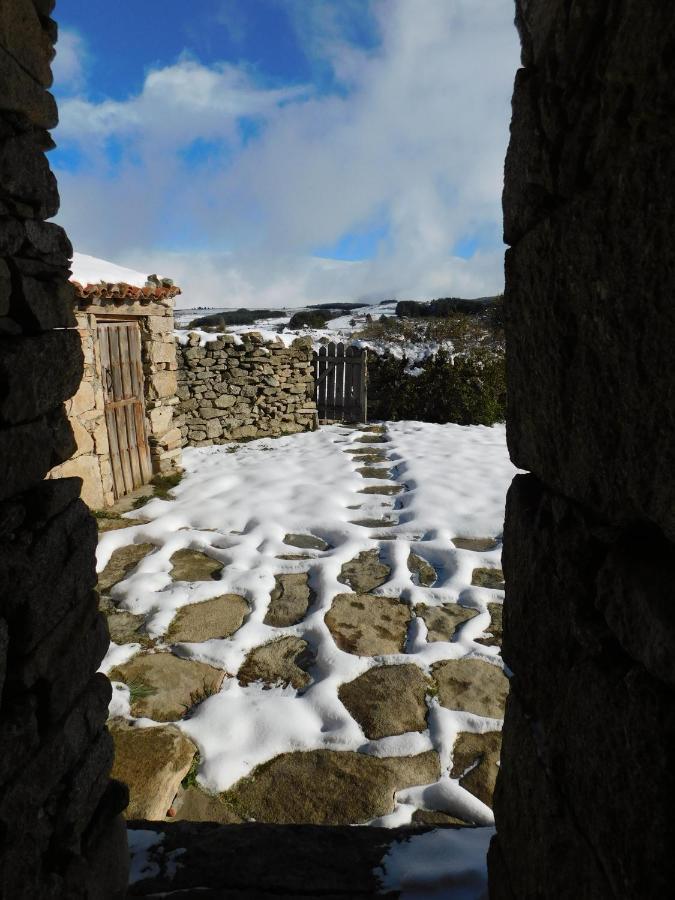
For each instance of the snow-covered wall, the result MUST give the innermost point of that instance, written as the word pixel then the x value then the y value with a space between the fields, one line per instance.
pixel 234 388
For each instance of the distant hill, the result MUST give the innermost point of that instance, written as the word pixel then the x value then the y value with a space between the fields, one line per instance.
pixel 241 316
pixel 444 306
pixel 340 306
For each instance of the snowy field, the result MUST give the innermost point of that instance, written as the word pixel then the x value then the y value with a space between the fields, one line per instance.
pixel 341 329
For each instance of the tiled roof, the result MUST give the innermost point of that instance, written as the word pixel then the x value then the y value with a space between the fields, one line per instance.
pixel 154 289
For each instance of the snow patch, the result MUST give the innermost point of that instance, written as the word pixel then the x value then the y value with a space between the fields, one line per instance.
pixel 448 862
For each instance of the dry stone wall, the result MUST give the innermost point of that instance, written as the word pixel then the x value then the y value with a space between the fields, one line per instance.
pixel 60 834
pixel 231 391
pixel 587 782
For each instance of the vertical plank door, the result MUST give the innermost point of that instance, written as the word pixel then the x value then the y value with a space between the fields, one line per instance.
pixel 122 371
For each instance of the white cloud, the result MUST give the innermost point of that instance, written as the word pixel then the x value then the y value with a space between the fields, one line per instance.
pixel 418 138
pixel 69 64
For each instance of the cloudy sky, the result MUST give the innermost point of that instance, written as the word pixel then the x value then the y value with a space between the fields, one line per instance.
pixel 279 152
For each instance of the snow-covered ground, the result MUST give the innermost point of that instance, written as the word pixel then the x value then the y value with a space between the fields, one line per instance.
pixel 237 503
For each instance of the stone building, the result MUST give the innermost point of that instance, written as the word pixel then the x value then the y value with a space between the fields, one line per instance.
pixel 122 413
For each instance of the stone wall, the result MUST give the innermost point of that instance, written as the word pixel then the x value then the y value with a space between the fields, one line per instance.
pixel 86 413
pixel 229 390
pixel 60 834
pixel 584 796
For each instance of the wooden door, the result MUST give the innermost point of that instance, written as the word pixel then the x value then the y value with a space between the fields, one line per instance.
pixel 340 377
pixel 122 370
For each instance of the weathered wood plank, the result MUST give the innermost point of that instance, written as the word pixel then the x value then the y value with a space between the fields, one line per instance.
pixel 352 372
pixel 129 412
pixel 110 417
pixel 364 385
pixel 120 417
pixel 330 381
pixel 321 379
pixel 139 410
pixel 340 371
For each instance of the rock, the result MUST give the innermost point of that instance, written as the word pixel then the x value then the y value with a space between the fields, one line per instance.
pixel 113 522
pixel 123 626
pixel 326 787
pixel 387 700
pixel 488 578
pixel 475 761
pixel 368 457
pixel 367 625
pixel 193 565
pixel 164 687
pixel 216 618
pixel 494 631
pixel 373 523
pixel 425 572
pixel 121 563
pixel 289 600
pixel 281 662
pixel 471 685
pixel 478 545
pixel 373 472
pixel 373 429
pixel 192 804
pixel 435 818
pixel 385 490
pixel 370 439
pixel 442 621
pixel 305 542
pixel 365 572
pixel 152 762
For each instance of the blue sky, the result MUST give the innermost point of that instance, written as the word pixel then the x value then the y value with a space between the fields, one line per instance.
pixel 288 150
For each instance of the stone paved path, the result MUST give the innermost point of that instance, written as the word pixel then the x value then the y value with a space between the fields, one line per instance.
pixel 397 694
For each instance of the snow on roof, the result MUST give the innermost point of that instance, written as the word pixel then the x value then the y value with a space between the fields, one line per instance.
pixel 97 279
pixel 90 270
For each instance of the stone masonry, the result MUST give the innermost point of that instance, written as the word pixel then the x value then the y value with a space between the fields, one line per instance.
pixel 585 793
pixel 60 832
pixel 231 391
pixel 152 307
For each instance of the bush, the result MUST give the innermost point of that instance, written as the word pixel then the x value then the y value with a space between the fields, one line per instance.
pixel 444 306
pixel 469 390
pixel 310 318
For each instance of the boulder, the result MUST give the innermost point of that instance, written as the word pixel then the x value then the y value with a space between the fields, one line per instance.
pixel 151 762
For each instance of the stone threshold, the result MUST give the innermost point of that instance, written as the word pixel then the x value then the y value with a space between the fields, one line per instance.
pixel 207 860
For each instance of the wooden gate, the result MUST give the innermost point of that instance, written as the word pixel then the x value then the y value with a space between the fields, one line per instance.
pixel 122 369
pixel 341 377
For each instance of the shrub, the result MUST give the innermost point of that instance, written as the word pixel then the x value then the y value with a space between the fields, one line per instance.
pixel 311 318
pixel 469 389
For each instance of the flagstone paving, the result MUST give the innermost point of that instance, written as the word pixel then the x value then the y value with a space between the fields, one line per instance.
pixel 165 687
pixel 289 600
pixel 216 618
pixel 325 787
pixel 389 698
